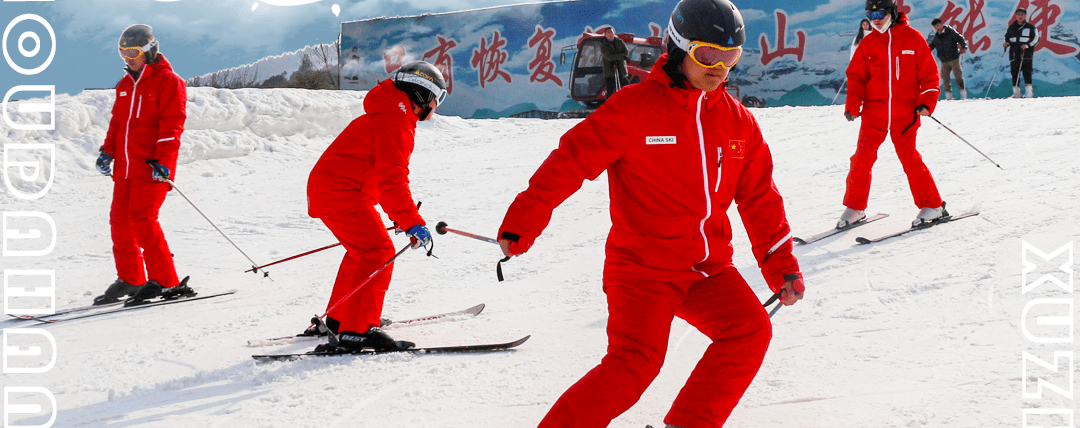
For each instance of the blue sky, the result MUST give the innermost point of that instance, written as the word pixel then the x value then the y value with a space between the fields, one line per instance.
pixel 197 36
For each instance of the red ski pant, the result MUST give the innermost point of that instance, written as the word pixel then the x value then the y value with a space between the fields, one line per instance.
pixel 139 246
pixel 367 248
pixel 723 307
pixel 923 189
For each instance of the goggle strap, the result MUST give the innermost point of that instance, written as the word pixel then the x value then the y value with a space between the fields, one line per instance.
pixel 440 93
pixel 680 41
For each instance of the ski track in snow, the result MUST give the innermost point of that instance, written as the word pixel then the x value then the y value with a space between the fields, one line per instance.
pixel 921 330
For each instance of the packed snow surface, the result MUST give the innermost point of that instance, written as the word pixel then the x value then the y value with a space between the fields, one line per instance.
pixel 921 330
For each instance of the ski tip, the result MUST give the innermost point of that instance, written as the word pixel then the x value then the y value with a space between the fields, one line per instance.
pixel 476 310
pixel 862 240
pixel 518 342
pixel 798 240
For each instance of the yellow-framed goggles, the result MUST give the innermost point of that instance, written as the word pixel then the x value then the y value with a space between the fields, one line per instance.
pixel 711 55
pixel 135 52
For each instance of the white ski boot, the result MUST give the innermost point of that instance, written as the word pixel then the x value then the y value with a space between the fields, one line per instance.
pixel 1016 92
pixel 963 93
pixel 949 96
pixel 850 216
pixel 1029 94
pixel 929 215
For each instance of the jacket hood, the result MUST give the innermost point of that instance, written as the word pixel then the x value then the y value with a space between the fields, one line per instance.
pixel 386 98
pixel 902 20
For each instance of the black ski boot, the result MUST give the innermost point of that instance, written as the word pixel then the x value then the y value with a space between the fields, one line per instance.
pixel 117 290
pixel 374 339
pixel 146 292
pixel 321 328
pixel 182 290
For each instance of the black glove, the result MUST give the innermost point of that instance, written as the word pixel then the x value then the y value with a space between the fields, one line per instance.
pixel 850 117
pixel 920 108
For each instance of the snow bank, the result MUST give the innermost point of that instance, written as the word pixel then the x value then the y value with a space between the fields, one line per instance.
pixel 221 123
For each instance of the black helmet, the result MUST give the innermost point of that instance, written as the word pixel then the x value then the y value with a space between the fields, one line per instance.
pixel 422 82
pixel 712 21
pixel 880 4
pixel 140 36
pixel 886 6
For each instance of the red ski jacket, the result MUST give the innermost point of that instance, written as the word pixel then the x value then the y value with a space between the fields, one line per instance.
pixel 147 120
pixel 368 163
pixel 890 75
pixel 676 159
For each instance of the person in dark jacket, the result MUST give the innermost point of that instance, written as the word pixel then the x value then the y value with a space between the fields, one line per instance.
pixel 614 63
pixel 368 165
pixel 949 45
pixel 678 150
pixel 144 139
pixel 1021 38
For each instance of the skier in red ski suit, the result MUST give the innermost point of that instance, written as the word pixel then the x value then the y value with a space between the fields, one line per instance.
pixel 678 149
pixel 892 80
pixel 143 139
pixel 368 164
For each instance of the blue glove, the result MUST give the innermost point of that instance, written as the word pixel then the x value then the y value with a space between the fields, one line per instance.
pixel 104 163
pixel 419 236
pixel 161 173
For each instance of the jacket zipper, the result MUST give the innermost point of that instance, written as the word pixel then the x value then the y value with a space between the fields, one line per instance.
pixel 888 123
pixel 127 127
pixel 705 177
pixel 138 112
pixel 719 167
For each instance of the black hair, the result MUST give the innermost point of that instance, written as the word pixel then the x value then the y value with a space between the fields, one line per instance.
pixel 673 67
pixel 935 21
pixel 859 34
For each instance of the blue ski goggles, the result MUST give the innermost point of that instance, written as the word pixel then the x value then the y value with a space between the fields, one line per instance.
pixel 876 14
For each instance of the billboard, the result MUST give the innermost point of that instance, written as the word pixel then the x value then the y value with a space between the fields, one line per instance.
pixel 505 60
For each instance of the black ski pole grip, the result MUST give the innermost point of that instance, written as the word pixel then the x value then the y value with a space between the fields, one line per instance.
pixel 772 299
pixel 498 268
pixel 440 228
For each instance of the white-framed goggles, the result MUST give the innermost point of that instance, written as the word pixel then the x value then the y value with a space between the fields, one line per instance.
pixel 440 93
pixel 705 54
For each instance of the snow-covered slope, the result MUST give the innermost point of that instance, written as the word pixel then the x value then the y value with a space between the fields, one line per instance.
pixel 923 330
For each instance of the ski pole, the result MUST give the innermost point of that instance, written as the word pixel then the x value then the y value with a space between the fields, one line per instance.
pixel 441 229
pixel 362 284
pixel 966 141
pixel 253 264
pixel 256 268
pixel 772 299
pixel 838 91
pixel 992 79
